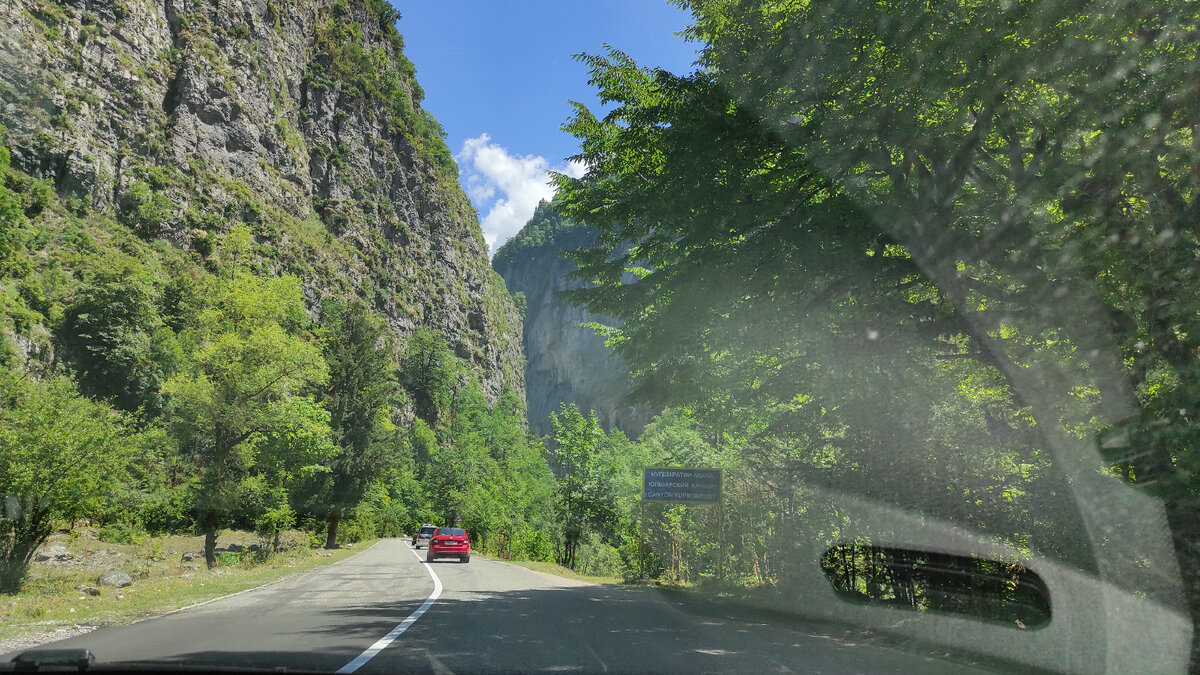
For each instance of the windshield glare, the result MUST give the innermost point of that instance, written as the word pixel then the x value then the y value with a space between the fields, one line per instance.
pixel 738 334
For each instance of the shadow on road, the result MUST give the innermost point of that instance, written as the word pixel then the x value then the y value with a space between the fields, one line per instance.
pixel 588 629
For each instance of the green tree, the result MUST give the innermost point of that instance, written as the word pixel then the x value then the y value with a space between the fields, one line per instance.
pixel 850 197
pixel 429 375
pixel 120 345
pixel 1021 155
pixel 462 480
pixel 526 482
pixel 283 460
pixel 145 210
pixel 360 385
pixel 247 356
pixel 62 456
pixel 586 496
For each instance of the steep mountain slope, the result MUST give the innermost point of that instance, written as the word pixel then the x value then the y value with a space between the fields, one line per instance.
pixel 565 361
pixel 175 119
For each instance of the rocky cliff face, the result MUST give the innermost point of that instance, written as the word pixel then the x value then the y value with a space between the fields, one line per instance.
pixel 301 118
pixel 565 361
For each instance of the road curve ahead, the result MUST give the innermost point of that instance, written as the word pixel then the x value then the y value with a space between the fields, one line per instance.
pixel 489 616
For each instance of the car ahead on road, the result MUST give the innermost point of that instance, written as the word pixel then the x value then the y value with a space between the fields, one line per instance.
pixel 449 541
pixel 423 535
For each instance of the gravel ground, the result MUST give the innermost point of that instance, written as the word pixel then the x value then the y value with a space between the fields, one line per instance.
pixel 30 641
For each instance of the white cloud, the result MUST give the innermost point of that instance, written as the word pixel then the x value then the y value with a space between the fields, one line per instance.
pixel 505 187
pixel 574 169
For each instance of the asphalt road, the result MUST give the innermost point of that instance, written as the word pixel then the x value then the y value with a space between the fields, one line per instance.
pixel 490 616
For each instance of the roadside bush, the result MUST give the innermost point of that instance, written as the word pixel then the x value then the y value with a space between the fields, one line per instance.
pixel 599 560
pixel 356 528
pixel 122 533
pixel 533 545
pixel 271 524
pixel 168 509
pixel 313 531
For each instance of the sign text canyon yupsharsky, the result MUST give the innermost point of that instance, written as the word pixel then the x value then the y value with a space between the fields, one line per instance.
pixel 681 485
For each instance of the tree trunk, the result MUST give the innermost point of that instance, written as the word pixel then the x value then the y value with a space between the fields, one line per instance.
pixel 22 538
pixel 209 522
pixel 568 557
pixel 331 532
pixel 15 563
pixel 210 548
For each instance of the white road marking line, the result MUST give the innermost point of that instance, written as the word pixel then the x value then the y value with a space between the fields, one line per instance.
pixel 386 640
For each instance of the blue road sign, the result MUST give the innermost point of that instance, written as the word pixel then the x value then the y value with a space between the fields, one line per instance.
pixel 681 485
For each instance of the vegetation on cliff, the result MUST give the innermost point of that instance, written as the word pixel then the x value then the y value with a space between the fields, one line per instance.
pixel 228 251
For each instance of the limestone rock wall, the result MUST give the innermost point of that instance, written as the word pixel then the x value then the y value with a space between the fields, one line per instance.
pixel 301 118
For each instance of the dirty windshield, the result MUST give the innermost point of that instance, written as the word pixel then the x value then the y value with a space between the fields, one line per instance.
pixel 736 335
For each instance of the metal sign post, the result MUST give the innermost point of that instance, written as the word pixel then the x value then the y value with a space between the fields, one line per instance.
pixel 721 541
pixel 512 526
pixel 642 541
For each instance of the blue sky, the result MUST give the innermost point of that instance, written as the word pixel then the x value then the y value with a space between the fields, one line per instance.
pixel 498 74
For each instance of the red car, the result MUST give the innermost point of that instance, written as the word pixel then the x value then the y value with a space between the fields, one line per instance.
pixel 449 541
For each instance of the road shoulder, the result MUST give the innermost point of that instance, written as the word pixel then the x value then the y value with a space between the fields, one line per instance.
pixel 31 620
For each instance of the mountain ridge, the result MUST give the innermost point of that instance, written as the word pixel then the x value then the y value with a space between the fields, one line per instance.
pixel 566 362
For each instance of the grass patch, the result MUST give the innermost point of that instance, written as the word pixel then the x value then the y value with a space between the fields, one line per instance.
pixel 558 571
pixel 162 582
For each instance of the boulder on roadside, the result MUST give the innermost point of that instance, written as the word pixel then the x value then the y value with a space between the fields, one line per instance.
pixel 90 590
pixel 114 578
pixel 235 548
pixel 189 556
pixel 55 552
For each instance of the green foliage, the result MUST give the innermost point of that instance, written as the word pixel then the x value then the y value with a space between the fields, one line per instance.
pixel 547 233
pixel 535 545
pixel 286 458
pixel 587 484
pixel 475 461
pixel 166 503
pixel 930 256
pixel 13 216
pixel 121 533
pixel 596 558
pixel 359 387
pixel 61 456
pixel 145 210
pixel 115 336
pixel 248 359
pixel 429 374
